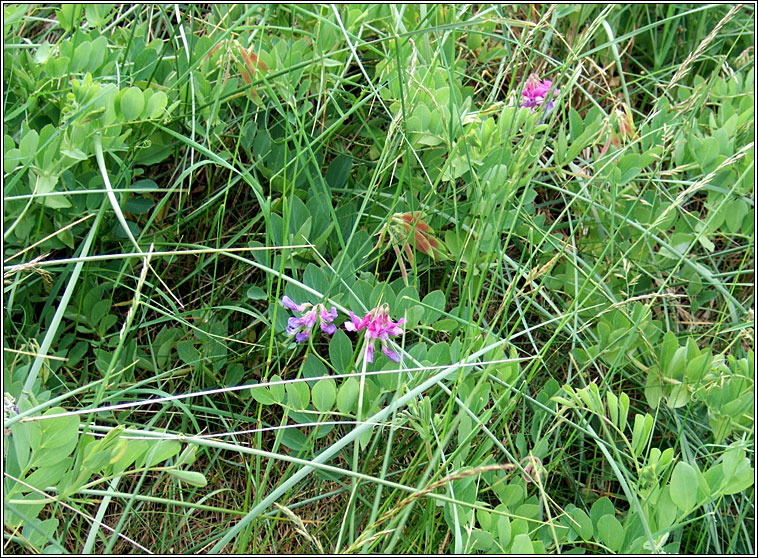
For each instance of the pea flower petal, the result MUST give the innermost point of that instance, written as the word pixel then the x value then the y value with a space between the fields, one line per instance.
pixel 377 324
pixel 301 327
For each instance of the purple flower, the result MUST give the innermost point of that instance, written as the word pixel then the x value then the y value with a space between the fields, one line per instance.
pixel 378 325
pixel 290 305
pixel 535 92
pixel 301 327
pixel 326 320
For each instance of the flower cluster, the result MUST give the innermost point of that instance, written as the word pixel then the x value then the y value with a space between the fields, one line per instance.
pixel 301 327
pixel 533 468
pixel 9 405
pixel 535 92
pixel 378 325
pixel 399 229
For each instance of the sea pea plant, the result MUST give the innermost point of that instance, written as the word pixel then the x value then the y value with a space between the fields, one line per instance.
pixel 215 215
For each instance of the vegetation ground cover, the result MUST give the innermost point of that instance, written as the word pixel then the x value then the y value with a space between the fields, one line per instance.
pixel 378 278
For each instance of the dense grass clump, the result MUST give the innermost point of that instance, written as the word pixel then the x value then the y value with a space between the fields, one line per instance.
pixel 379 278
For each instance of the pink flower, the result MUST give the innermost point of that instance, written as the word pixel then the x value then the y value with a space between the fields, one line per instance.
pixel 535 92
pixel 301 327
pixel 378 325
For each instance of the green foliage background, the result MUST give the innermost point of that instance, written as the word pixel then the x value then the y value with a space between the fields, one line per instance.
pixel 577 367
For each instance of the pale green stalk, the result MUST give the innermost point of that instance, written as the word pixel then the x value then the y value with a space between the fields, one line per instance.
pixel 62 305
pixel 349 510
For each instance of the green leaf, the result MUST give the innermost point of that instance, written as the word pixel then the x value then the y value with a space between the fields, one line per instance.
pixel 28 145
pixel 522 544
pixel 293 438
pixel 188 353
pixel 683 486
pixel 678 245
pixel 341 352
pixel 132 103
pixel 99 49
pixel 473 40
pixel 67 14
pixel 403 304
pixel 653 388
pixel 49 444
pixel 622 178
pixel 643 426
pixel 503 527
pixel 347 396
pixel 674 367
pixel 612 402
pixel 313 367
pixel 480 540
pixel 380 294
pixel 582 141
pixel 706 243
pixel 144 185
pixel 512 494
pixel 96 455
pixel 576 126
pixel 737 209
pixel 581 523
pixel 435 299
pixel 48 476
pixel 339 171
pixel 98 14
pixel 277 391
pixel 314 277
pixel 668 347
pixel 118 230
pixel 189 477
pixel 12 159
pixel 262 395
pixel 30 511
pixel 484 518
pixel 99 310
pixel 665 509
pixel 600 508
pixel 58 432
pixel 187 457
pixel 298 395
pixel 134 450
pixel 25 436
pixel 730 477
pixel 561 145
pixel 439 353
pixel 82 55
pixel 256 293
pixel 623 410
pixel 156 104
pixel 698 366
pixel 610 532
pixel 679 396
pixel 743 479
pixel 588 397
pixel 324 394
pixel 138 205
pixel 161 451
pixel 40 535
pixel 629 167
pixel 730 459
pixel 76 353
pixel 529 511
pixel 706 152
pixel 46 184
